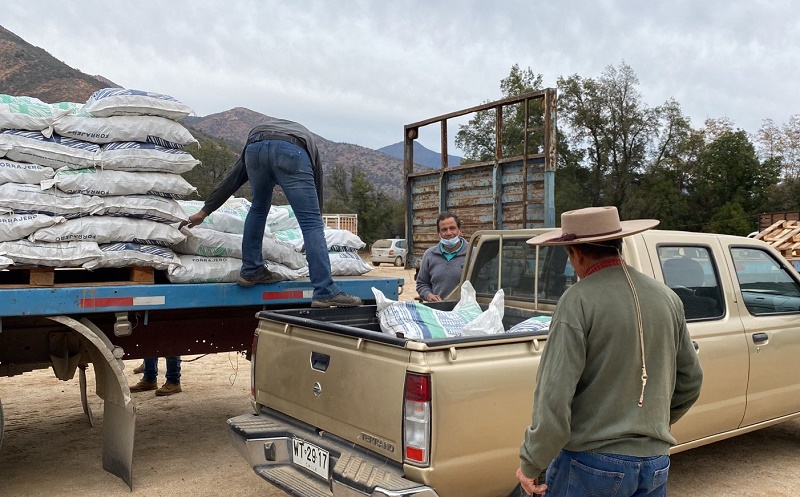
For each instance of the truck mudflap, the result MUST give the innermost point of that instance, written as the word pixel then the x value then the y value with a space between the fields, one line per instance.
pixel 119 412
pixel 271 444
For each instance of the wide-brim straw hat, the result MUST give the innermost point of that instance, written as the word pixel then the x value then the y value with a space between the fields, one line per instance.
pixel 592 224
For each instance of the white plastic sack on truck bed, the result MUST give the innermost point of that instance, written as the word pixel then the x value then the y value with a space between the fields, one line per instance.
pixel 19 226
pixel 55 151
pixel 335 239
pixel 126 102
pixel 20 198
pixel 5 262
pixel 212 243
pixel 199 269
pixel 151 129
pixel 145 157
pixel 103 183
pixel 108 229
pixel 420 322
pixel 61 254
pixel 134 254
pixel 347 264
pixel 152 207
pixel 27 113
pixel 228 218
pixel 20 172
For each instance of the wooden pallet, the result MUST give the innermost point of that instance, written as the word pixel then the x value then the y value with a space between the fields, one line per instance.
pixel 40 276
pixel 784 235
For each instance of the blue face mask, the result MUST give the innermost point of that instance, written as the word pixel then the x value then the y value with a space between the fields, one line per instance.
pixel 451 243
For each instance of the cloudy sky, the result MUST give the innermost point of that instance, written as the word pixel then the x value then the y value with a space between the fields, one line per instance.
pixel 356 72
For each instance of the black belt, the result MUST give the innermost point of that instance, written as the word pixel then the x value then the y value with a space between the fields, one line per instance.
pixel 277 136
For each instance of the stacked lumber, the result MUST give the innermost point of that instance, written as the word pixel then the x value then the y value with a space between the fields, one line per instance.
pixel 784 236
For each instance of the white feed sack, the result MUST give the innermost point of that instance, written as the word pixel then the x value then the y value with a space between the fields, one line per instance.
pixel 209 243
pixel 27 113
pixel 152 129
pixel 56 151
pixel 228 218
pixel 152 207
pixel 61 254
pixel 19 226
pixel 134 254
pixel 126 102
pixel 199 269
pixel 108 229
pixel 418 321
pixel 212 243
pixel 20 172
pixel 348 264
pixel 145 157
pixel 335 239
pixel 20 198
pixel 5 262
pixel 281 217
pixel 103 183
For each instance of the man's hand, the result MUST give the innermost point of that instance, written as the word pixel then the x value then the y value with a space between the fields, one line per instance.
pixel 194 220
pixel 432 297
pixel 529 484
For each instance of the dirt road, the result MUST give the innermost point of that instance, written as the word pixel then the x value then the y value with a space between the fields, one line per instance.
pixel 182 446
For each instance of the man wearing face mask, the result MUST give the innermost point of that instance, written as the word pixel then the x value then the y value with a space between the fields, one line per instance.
pixel 440 269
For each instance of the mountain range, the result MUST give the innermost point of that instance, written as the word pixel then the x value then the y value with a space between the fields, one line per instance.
pixel 31 71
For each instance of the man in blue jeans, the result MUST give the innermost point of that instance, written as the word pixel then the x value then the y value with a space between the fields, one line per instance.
pixel 618 369
pixel 281 152
pixel 148 381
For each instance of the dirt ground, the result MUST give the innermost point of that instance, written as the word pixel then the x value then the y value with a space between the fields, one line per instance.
pixel 182 444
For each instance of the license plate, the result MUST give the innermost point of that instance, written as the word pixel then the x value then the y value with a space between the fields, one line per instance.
pixel 311 457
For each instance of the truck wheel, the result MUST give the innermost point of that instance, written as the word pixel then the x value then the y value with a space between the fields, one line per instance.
pixel 398 261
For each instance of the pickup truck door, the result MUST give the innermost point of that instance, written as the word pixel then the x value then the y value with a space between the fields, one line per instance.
pixel 695 268
pixel 770 312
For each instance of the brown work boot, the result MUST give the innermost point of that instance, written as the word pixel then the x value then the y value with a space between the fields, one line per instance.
pixel 169 389
pixel 139 369
pixel 144 386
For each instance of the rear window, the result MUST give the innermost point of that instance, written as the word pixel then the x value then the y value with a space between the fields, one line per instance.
pixel 382 244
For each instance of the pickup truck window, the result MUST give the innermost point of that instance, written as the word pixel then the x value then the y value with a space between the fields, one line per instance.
pixel 516 275
pixel 691 273
pixel 766 285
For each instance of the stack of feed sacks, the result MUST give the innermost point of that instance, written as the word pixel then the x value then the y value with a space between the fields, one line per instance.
pixel 108 176
pixel 213 250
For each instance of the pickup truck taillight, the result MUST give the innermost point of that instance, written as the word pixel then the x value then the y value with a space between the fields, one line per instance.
pixel 253 366
pixel 417 418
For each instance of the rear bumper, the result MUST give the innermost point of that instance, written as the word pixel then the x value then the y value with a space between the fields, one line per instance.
pixel 265 441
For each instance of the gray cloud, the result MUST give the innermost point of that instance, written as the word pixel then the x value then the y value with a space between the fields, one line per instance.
pixel 358 71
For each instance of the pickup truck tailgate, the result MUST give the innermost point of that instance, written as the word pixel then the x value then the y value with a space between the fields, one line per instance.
pixel 334 382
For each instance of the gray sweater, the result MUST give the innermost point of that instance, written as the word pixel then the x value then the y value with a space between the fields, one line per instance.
pixel 589 378
pixel 437 275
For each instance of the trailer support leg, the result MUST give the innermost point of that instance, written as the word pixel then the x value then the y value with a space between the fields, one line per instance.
pixel 84 398
pixel 119 412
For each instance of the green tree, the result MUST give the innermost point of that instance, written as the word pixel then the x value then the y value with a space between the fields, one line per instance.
pixel 337 191
pixel 732 219
pixel 216 159
pixel 730 173
pixel 477 138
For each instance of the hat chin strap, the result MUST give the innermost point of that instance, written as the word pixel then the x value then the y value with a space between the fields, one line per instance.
pixel 640 326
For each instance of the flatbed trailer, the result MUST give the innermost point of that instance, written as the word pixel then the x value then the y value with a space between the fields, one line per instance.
pixel 66 326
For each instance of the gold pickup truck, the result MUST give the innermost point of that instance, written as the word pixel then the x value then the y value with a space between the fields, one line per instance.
pixel 345 410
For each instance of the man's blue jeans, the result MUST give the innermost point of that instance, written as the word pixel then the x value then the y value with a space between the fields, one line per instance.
pixel 578 474
pixel 271 162
pixel 173 369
